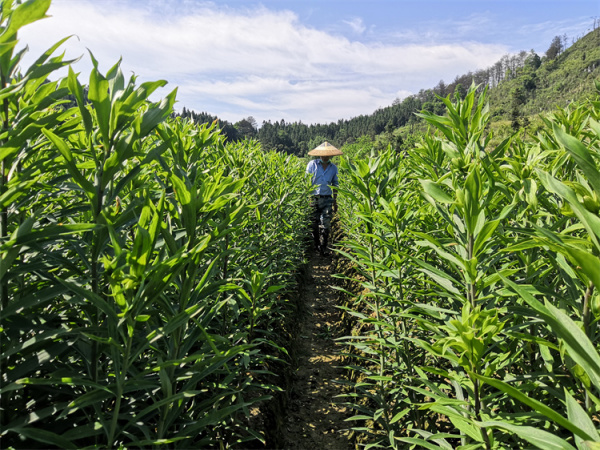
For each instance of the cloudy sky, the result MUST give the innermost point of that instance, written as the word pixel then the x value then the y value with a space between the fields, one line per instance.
pixel 314 61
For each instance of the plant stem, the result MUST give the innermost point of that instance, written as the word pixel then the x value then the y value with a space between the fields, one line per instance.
pixel 476 393
pixel 586 309
pixel 94 265
pixel 120 381
pixel 586 329
pixel 3 213
pixel 470 285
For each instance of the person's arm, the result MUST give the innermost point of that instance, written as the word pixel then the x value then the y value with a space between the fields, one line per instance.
pixel 311 171
pixel 309 168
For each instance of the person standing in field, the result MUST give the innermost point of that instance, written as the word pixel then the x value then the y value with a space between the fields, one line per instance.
pixel 324 202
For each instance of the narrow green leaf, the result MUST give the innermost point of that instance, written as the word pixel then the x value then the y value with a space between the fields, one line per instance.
pixel 580 419
pixel 579 346
pixel 77 91
pixel 435 191
pixel 586 262
pixel 65 151
pixel 420 442
pixel 534 404
pixel 540 438
pixel 47 437
pixel 483 237
pixel 98 95
pixel 588 219
pixel 581 154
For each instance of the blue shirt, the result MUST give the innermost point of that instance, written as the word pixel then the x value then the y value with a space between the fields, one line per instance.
pixel 323 179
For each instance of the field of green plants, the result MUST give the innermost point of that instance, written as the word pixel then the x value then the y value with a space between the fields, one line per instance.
pixel 147 271
pixel 145 265
pixel 479 267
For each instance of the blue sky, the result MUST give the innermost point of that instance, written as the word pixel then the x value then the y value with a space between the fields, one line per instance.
pixel 314 61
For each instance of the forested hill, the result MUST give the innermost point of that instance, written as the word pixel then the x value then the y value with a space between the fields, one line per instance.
pixel 520 86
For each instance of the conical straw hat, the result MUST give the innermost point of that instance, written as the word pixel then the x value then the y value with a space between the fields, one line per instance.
pixel 325 149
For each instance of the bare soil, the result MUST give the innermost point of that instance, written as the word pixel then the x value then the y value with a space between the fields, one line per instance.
pixel 315 418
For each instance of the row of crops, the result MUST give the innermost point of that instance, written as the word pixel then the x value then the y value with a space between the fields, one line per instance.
pixel 479 269
pixel 145 266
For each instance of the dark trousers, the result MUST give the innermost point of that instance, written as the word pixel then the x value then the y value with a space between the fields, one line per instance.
pixel 322 208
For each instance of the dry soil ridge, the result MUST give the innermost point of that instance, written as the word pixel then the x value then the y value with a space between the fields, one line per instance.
pixel 315 418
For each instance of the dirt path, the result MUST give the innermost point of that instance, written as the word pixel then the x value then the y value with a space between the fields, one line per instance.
pixel 315 419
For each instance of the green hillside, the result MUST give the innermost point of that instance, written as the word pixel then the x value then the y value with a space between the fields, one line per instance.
pixel 531 87
pixel 556 82
pixel 531 91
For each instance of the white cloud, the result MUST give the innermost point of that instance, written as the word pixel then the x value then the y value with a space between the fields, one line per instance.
pixel 264 63
pixel 356 25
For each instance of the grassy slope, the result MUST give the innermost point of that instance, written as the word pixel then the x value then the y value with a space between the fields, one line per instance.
pixel 568 78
